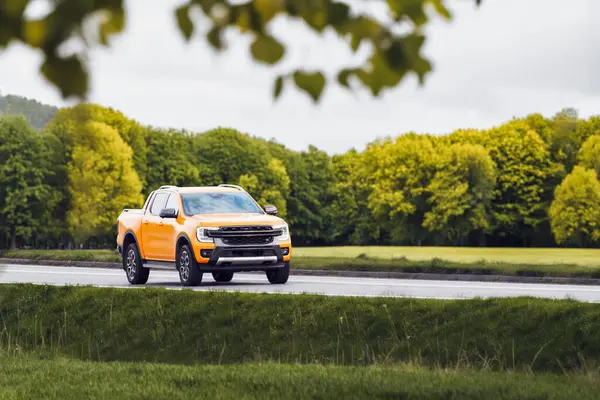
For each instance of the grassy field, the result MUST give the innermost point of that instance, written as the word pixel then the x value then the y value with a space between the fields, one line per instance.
pixel 29 378
pixel 451 260
pixel 508 255
pixel 187 327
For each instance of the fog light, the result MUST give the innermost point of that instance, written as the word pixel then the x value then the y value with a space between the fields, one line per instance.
pixel 285 251
pixel 205 253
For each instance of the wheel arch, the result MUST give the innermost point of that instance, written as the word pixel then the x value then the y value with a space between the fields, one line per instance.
pixel 129 238
pixel 182 239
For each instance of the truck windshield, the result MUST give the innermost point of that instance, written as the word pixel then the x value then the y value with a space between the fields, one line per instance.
pixel 219 203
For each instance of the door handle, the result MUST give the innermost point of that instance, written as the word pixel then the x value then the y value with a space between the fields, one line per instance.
pixel 160 223
pixel 145 222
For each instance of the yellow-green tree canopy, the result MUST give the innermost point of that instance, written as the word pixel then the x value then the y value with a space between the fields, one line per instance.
pixel 589 155
pixel 461 192
pixel 395 52
pixel 273 189
pixel 102 180
pixel 575 211
pixel 400 172
pixel 526 174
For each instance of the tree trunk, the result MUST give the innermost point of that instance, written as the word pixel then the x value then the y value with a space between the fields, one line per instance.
pixel 13 240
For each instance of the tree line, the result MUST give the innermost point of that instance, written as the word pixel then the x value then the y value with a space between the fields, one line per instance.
pixel 531 181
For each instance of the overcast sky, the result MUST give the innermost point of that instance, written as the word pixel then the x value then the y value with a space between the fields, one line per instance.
pixel 507 58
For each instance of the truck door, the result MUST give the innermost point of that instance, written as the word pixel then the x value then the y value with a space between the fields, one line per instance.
pixel 168 232
pixel 151 227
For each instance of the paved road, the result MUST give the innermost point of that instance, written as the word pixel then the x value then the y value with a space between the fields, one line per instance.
pixel 333 286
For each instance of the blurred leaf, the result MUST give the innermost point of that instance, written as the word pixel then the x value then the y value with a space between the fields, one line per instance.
pixel 343 77
pixel 215 38
pixel 114 24
pixel 68 74
pixel 441 9
pixel 413 9
pixel 278 87
pixel 186 26
pixel 268 8
pixel 267 49
pixel 35 32
pixel 312 83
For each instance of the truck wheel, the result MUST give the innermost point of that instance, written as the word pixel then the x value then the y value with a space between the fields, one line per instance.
pixel 222 276
pixel 189 274
pixel 279 276
pixel 136 273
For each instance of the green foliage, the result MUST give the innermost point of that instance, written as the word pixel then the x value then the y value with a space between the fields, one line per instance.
pixel 400 172
pixel 26 198
pixel 350 219
pixel 461 192
pixel 62 378
pixel 589 155
pixel 37 114
pixel 170 161
pixel 575 211
pixel 395 53
pixel 101 181
pixel 471 187
pixel 189 327
pixel 67 121
pixel 526 176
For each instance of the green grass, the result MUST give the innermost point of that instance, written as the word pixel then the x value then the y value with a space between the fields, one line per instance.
pixel 29 378
pixel 188 327
pixel 507 261
pixel 509 255
pixel 64 255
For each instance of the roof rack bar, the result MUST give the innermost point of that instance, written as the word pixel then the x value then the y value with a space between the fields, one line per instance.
pixel 232 186
pixel 167 187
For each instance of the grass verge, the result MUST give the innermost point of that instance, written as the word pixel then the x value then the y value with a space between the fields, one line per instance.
pixel 28 378
pixel 362 262
pixel 187 327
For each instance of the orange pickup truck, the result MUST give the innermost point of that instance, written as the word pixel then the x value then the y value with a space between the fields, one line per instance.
pixel 219 229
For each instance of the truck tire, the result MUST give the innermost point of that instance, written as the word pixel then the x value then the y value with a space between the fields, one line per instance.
pixel 279 276
pixel 136 273
pixel 189 273
pixel 223 276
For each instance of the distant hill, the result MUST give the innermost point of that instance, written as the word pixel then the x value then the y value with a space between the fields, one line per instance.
pixel 37 113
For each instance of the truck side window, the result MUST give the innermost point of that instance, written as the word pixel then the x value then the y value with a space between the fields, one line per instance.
pixel 172 202
pixel 159 203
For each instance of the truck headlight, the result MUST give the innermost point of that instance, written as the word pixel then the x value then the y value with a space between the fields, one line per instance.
pixel 285 232
pixel 202 234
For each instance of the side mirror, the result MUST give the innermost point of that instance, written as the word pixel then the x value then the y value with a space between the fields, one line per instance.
pixel 168 213
pixel 271 210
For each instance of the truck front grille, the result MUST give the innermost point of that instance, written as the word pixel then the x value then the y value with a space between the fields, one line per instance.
pixel 247 240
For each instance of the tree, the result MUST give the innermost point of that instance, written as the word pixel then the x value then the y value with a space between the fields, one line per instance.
pixel 229 154
pixel 575 211
pixel 26 199
pixel 67 120
pixel 273 189
pixel 461 193
pixel 311 177
pixel 589 155
pixel 170 160
pixel 101 181
pixel 349 221
pixel 525 181
pixel 37 114
pixel 395 52
pixel 400 172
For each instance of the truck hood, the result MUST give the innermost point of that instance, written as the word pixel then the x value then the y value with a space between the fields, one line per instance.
pixel 215 220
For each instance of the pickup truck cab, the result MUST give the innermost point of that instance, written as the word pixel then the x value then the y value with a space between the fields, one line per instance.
pixel 196 230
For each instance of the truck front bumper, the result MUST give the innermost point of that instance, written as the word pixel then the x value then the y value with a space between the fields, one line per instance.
pixel 244 258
